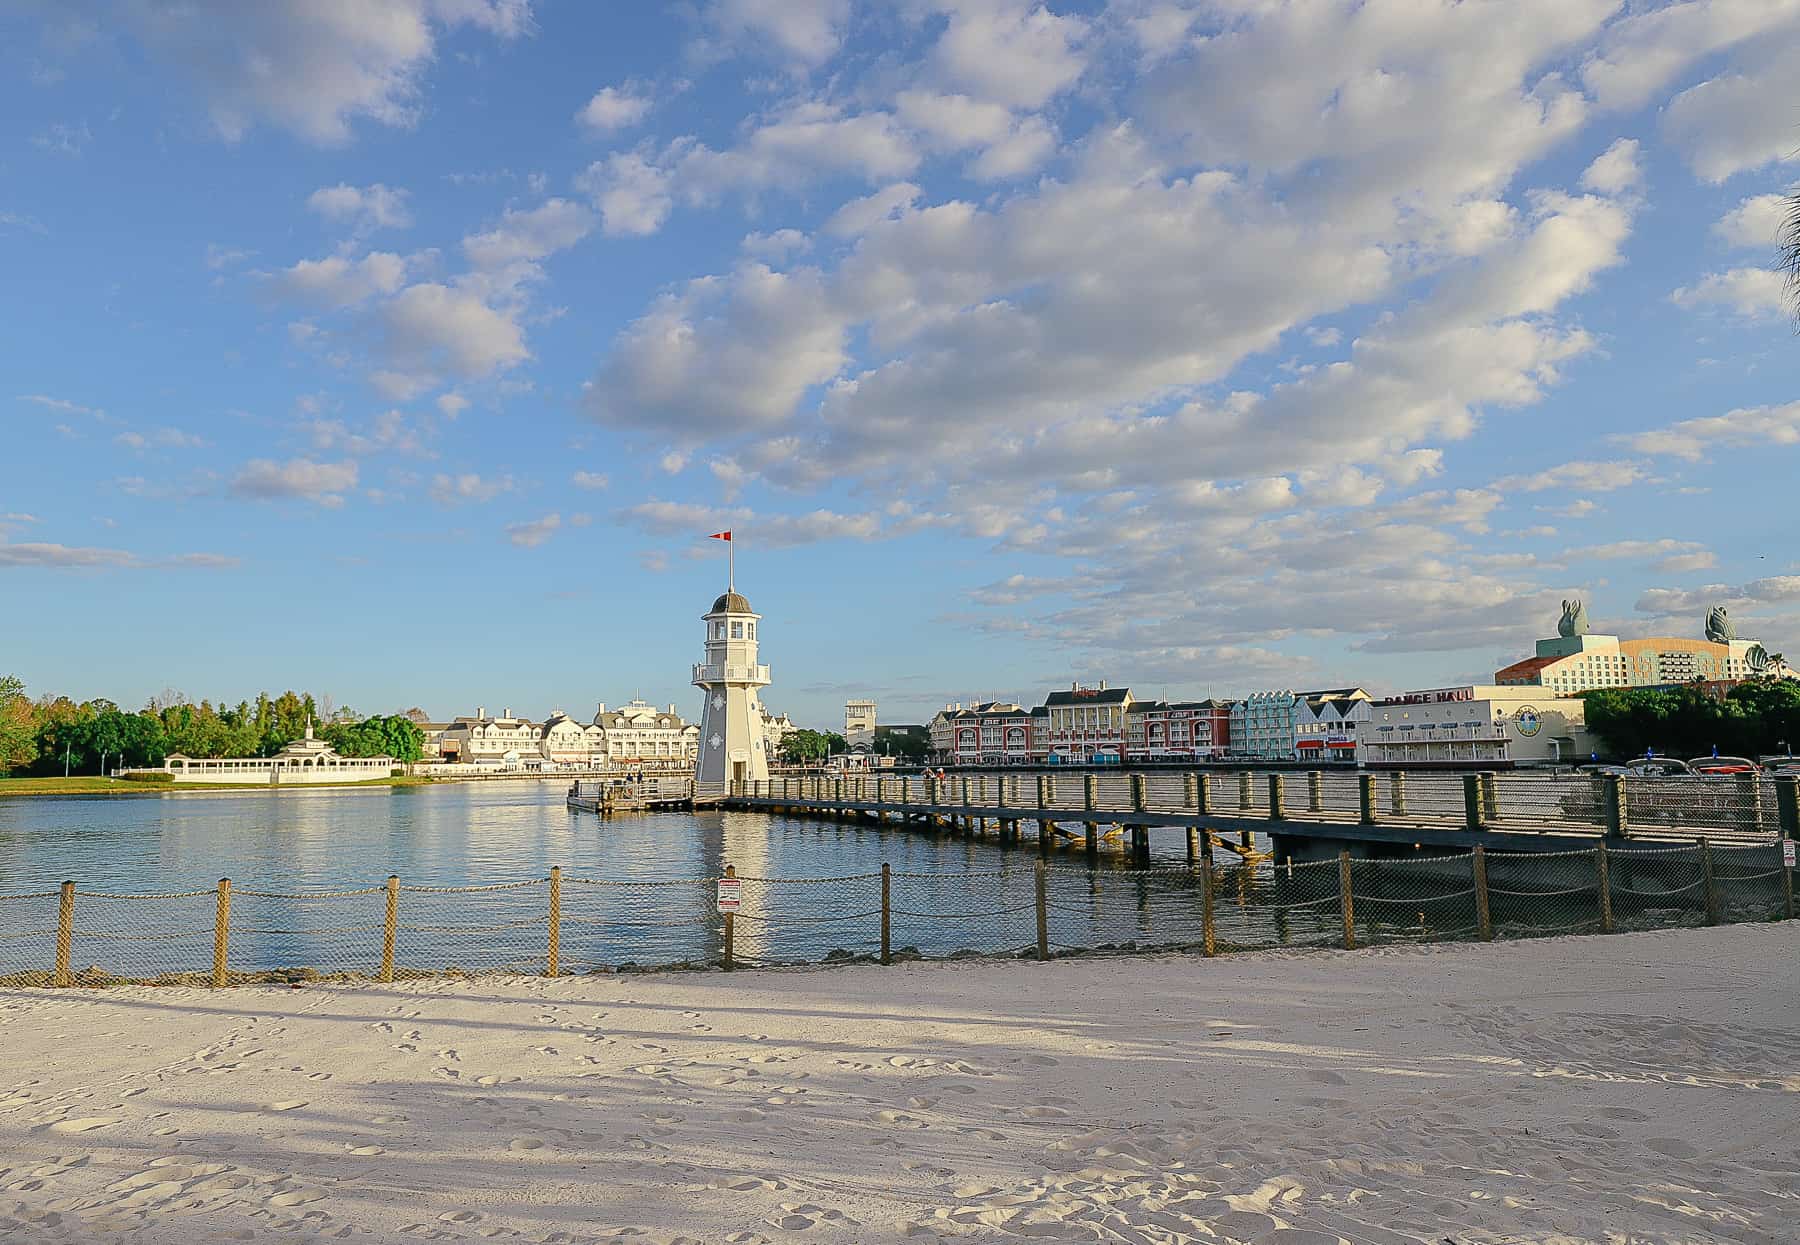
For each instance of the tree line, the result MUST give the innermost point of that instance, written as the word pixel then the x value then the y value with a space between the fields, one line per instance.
pixel 1758 717
pixel 52 734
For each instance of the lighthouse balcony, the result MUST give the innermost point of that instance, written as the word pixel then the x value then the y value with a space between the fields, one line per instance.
pixel 705 673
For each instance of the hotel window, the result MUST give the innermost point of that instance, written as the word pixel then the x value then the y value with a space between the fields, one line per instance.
pixel 737 630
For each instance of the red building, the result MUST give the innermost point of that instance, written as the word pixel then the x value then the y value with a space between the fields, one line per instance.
pixel 1188 730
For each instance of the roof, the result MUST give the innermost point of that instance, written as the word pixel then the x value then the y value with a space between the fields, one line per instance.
pixel 1336 693
pixel 1089 696
pixel 732 603
pixel 1524 669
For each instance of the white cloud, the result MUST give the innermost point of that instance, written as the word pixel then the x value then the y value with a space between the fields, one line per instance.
pixel 337 281
pixel 1771 590
pixel 770 531
pixel 1744 118
pixel 809 31
pixel 452 404
pixel 1013 51
pixel 363 208
pixel 1615 169
pixel 1754 223
pixel 388 432
pixel 161 438
pixel 1022 151
pixel 1745 428
pixel 632 194
pixel 529 236
pixel 589 480
pixel 433 329
pixel 1746 291
pixel 1581 476
pixel 860 215
pixel 312 68
pixel 613 108
pixel 532 533
pixel 454 490
pixel 301 478
pixel 38 555
pixel 61 404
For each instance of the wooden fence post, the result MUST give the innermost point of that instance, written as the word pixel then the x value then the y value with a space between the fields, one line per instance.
pixel 1397 792
pixel 1472 801
pixel 730 872
pixel 1603 887
pixel 1490 798
pixel 1245 800
pixel 1088 782
pixel 1190 791
pixel 1043 785
pixel 1137 793
pixel 1193 848
pixel 1208 946
pixel 553 953
pixel 221 933
pixel 390 927
pixel 1710 884
pixel 1277 797
pixel 1365 784
pixel 1203 794
pixel 1043 912
pixel 1612 800
pixel 1347 900
pixel 1484 917
pixel 65 934
pixel 1787 889
pixel 1315 792
pixel 886 908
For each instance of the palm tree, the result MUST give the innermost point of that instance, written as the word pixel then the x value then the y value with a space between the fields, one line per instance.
pixel 1789 261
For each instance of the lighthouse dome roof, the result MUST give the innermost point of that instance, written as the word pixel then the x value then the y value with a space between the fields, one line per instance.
pixel 732 603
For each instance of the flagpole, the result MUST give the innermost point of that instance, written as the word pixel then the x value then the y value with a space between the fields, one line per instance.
pixel 731 564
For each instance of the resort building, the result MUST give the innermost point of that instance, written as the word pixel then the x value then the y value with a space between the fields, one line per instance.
pixel 989 733
pixel 1188 730
pixel 501 742
pixel 1575 661
pixel 1292 726
pixel 859 724
pixel 1496 727
pixel 304 761
pixel 640 733
pixel 1087 723
pixel 775 730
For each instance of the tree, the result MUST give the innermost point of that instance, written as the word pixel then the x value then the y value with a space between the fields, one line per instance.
pixel 18 726
pixel 395 736
pixel 799 747
pixel 1789 257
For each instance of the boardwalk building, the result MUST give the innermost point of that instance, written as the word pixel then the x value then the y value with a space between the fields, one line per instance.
pixel 1294 726
pixel 1188 730
pixel 1087 724
pixel 1475 724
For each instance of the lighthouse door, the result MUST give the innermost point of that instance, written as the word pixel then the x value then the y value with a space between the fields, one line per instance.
pixel 737 771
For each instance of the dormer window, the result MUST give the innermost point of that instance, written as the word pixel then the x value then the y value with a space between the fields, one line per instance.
pixel 737 630
pixel 752 627
pixel 718 631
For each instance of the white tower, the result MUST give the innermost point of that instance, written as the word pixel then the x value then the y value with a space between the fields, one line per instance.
pixel 732 747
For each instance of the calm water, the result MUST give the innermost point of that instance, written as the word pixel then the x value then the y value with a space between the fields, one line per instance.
pixel 644 894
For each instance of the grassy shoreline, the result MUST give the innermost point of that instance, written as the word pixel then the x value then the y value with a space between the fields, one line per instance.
pixel 91 785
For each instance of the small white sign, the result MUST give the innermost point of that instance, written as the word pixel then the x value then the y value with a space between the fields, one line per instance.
pixel 731 892
pixel 1787 853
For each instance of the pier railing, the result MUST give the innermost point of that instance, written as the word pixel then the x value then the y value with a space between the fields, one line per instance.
pixel 1742 808
pixel 562 924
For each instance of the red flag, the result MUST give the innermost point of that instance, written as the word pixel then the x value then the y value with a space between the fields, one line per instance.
pixel 720 536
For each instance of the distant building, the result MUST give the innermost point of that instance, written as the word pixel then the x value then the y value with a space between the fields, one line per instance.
pixel 990 732
pixel 1188 730
pixel 859 724
pixel 1087 723
pixel 1575 661
pixel 1291 726
pixel 775 730
pixel 1475 724
pixel 303 761
pixel 503 742
pixel 639 733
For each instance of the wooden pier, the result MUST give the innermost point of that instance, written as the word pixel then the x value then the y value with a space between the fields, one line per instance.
pixel 1305 814
pixel 651 793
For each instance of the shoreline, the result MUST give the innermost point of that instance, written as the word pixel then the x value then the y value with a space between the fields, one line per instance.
pixel 1569 1089
pixel 108 787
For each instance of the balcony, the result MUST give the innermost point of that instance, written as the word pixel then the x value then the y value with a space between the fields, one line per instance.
pixel 704 673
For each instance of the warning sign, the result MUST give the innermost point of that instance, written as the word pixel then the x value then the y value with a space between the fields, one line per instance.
pixel 1787 853
pixel 731 892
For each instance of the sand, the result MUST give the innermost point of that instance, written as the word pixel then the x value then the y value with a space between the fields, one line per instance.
pixel 1635 1089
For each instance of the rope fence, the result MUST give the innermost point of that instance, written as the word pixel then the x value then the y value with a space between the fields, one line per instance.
pixel 554 925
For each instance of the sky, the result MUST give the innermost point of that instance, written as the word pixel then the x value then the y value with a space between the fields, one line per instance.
pixel 407 351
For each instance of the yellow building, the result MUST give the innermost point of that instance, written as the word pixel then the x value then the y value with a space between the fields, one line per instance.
pixel 1575 661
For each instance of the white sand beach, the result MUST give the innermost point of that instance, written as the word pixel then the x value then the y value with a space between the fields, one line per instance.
pixel 1641 1088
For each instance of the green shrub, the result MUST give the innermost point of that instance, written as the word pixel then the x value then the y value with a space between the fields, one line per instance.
pixel 151 776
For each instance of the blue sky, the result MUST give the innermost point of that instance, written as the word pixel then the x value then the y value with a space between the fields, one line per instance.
pixel 408 351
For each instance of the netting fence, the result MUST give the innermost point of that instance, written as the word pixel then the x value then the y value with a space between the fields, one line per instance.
pixel 555 924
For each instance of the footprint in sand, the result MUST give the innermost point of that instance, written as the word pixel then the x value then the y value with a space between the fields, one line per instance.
pixel 86 1124
pixel 460 1216
pixel 524 1145
pixel 496 1080
pixel 367 1151
pixel 451 1055
pixel 287 1104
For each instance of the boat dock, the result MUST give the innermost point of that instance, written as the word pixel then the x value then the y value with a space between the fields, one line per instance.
pixel 648 793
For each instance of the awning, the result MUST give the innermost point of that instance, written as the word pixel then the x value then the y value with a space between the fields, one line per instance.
pixel 1341 743
pixel 1309 743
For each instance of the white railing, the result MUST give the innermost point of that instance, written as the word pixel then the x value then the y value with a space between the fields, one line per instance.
pixel 704 673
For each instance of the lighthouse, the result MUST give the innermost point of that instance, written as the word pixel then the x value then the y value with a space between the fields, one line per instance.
pixel 732 747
